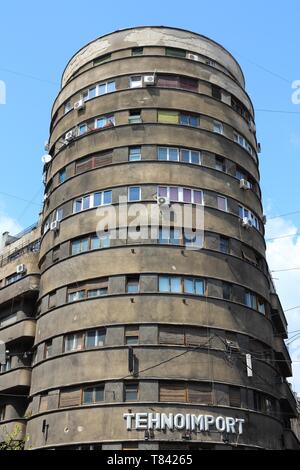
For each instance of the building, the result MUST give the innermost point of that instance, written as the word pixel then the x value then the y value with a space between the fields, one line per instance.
pixel 142 342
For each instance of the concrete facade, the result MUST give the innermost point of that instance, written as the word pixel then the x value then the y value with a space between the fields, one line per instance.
pixel 101 301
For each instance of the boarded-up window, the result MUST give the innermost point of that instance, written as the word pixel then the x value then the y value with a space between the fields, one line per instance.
pixel 200 393
pixel 172 392
pixel 43 403
pixel 196 336
pixel 235 396
pixel 52 300
pixel 169 117
pixel 171 335
pixel 70 398
pixel 169 81
pixel 188 83
pixel 132 334
pixel 85 164
pixel 174 52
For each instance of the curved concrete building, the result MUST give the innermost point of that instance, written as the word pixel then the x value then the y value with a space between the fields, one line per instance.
pixel 142 342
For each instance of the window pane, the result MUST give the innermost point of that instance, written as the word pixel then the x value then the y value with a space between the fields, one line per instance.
pixel 193 121
pixel 222 203
pixel 92 92
pixel 133 286
pixel 100 122
pixel 174 194
pixel 88 395
pixel 132 340
pixel 195 158
pixel 82 129
pixel 111 86
pixel 90 339
pixel 176 284
pixel 185 156
pixel 94 293
pixel 169 117
pixel 136 81
pixel 187 195
pixel 86 202
pixel 105 241
pixel 134 193
pixel 163 191
pixel 175 236
pixel 199 287
pixel 173 154
pixel 198 198
pixel 107 197
pixel 102 89
pixel 95 242
pixel 189 286
pixel 162 153
pixel 164 284
pixel 99 394
pixel 184 119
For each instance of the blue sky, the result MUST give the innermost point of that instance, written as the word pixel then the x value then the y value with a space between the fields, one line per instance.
pixel 37 40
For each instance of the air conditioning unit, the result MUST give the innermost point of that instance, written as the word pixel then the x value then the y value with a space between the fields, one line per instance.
pixel 69 136
pixel 244 184
pixel 210 62
pixel 79 105
pixel 163 201
pixel 259 148
pixel 149 80
pixel 246 222
pixel 46 196
pixel 193 56
pixel 252 126
pixel 264 219
pixel 21 269
pixel 47 147
pixel 54 226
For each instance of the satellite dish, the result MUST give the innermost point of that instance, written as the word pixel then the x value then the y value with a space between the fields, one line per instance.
pixel 46 158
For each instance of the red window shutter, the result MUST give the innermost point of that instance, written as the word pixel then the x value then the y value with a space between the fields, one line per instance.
pixel 168 81
pixel 188 83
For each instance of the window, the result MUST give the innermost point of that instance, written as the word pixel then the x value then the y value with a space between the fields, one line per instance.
pixel 105 121
pixel 131 392
pixel 190 156
pixel 70 397
pixel 220 164
pixel 185 195
pixel 168 117
pixel 135 116
pixel 245 213
pixel 74 342
pixel 239 139
pixel 107 87
pixel 250 300
pixel 131 335
pixel 48 349
pixel 8 320
pixel 226 291
pixel 75 296
pixel 134 193
pixel 91 289
pixel 235 396
pixel 216 92
pixel 134 154
pixel 176 284
pixel 240 174
pixel 261 305
pixel 90 93
pixel 13 278
pixel 62 176
pixel 222 203
pixel 218 127
pixel 224 245
pixel 6 367
pixel 89 163
pixel 102 59
pixel 82 129
pixel 170 236
pixel 79 246
pixel 68 107
pixel 52 300
pixel 2 412
pixel 136 81
pixel 183 393
pixel 130 446
pixel 132 285
pixel 92 200
pixel 59 213
pixel 188 120
pixel 56 254
pixel 168 153
pixel 100 241
pixel 137 51
pixel 93 395
pixel 95 338
pixel 174 52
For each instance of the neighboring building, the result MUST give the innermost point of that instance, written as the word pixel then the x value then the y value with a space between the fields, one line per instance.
pixel 135 337
pixel 19 289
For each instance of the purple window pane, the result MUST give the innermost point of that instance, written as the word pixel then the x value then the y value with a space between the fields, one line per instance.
pixel 163 191
pixel 197 197
pixel 174 194
pixel 187 195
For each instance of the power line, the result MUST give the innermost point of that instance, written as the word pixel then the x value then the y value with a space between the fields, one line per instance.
pixel 284 270
pixel 292 308
pixel 276 111
pixel 31 77
pixel 283 236
pixel 283 215
pixel 19 198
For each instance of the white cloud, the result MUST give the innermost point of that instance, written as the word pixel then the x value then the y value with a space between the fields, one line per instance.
pixel 284 253
pixel 8 224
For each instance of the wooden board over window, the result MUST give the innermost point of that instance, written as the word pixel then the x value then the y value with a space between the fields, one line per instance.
pixel 172 392
pixel 70 398
pixel 235 396
pixel 196 336
pixel 200 393
pixel 171 335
